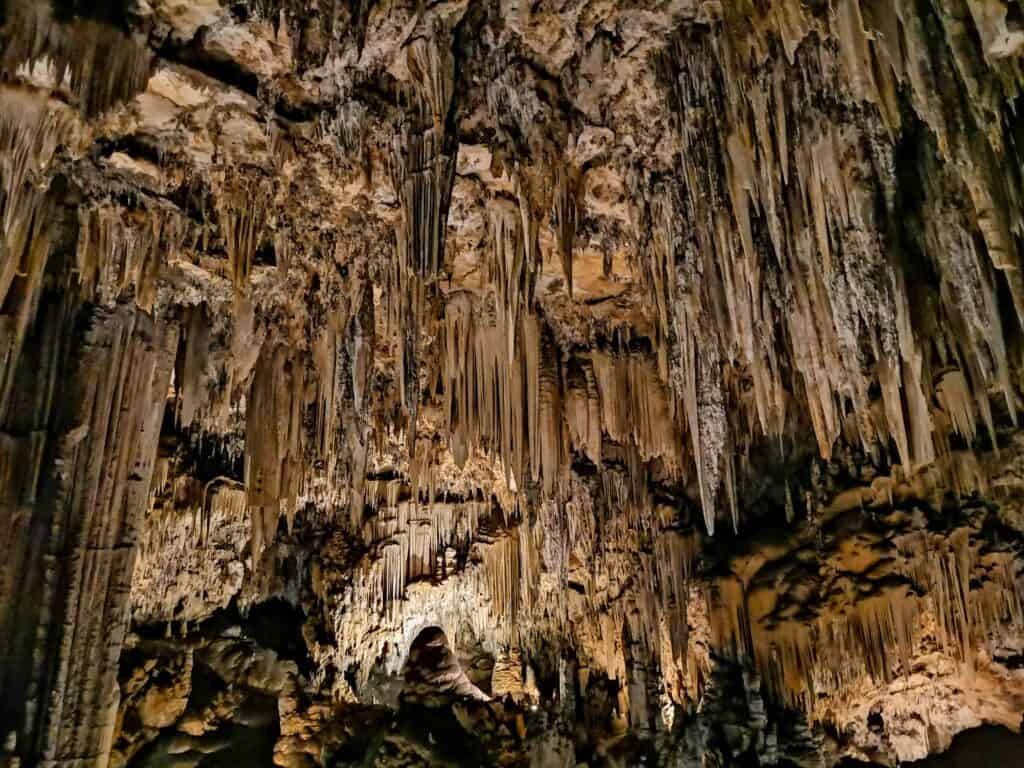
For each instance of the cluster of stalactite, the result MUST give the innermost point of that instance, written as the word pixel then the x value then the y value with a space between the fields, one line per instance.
pixel 791 254
pixel 836 252
pixel 783 280
pixel 30 131
pixel 84 371
pixel 959 593
pixel 242 209
pixel 424 170
pixel 96 64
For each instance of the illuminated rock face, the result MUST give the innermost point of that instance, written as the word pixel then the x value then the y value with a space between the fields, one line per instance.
pixel 496 383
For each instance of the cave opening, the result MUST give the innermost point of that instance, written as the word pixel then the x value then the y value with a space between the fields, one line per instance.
pixel 432 671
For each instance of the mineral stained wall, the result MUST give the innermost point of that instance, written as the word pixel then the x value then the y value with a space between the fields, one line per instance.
pixel 501 382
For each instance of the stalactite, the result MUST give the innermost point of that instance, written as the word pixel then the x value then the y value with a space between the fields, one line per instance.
pixel 675 556
pixel 423 171
pixel 876 636
pixel 30 132
pixel 274 441
pixel 784 234
pixel 528 235
pixel 242 209
pixel 99 64
pixel 343 359
pixel 431 68
pixel 191 377
pixel 635 405
pixel 822 257
pixel 122 252
pixel 566 214
pixel 502 571
pixel 485 389
pixel 945 568
pixel 412 537
pixel 507 274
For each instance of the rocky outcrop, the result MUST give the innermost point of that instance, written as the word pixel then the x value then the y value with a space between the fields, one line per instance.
pixel 581 382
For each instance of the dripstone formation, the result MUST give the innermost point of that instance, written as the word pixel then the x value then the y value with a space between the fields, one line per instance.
pixel 503 383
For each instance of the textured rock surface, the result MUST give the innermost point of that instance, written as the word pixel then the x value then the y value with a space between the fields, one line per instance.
pixel 598 382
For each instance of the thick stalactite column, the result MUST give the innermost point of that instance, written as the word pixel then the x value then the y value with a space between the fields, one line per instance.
pixel 424 158
pixel 65 610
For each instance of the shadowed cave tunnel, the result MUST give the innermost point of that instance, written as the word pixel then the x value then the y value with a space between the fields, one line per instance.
pixel 432 669
pixel 983 747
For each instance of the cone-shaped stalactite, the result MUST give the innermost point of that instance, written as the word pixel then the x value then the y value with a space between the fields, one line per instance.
pixel 423 160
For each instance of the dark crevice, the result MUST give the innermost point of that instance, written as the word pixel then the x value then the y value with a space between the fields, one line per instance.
pixel 222 69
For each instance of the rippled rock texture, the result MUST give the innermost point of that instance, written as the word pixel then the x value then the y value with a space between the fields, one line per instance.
pixel 491 382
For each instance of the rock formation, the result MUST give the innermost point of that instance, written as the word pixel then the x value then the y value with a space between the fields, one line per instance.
pixel 483 382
